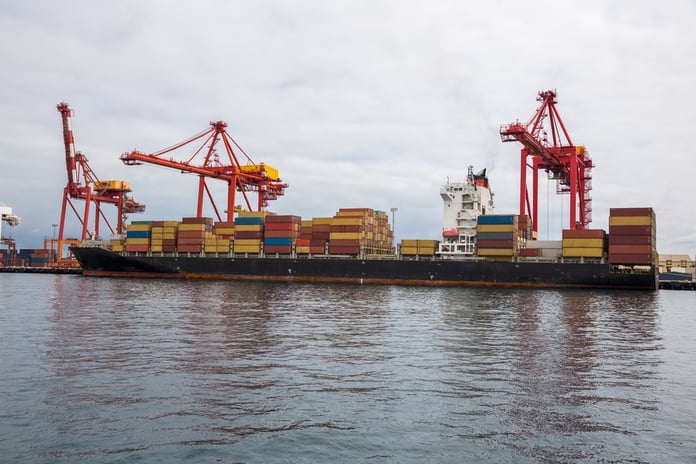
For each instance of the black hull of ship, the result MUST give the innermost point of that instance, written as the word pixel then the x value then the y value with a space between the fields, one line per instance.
pixel 424 272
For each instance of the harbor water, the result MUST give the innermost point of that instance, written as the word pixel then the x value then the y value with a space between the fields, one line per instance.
pixel 123 370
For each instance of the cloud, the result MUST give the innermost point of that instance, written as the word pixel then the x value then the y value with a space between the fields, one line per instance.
pixel 356 103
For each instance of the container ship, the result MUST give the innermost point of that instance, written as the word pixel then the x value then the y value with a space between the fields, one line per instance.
pixel 356 246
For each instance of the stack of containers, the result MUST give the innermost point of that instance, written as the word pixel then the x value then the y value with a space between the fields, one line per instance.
pixel 216 244
pixel 350 229
pixel 248 232
pixel 321 231
pixel 280 233
pixel 164 236
pixel 583 243
pixel 117 243
pixel 632 236
pixel 356 229
pixel 224 236
pixel 410 247
pixel 191 234
pixel 524 225
pixel 302 244
pixel 497 235
pixel 138 234
pixel 40 258
pixel 384 236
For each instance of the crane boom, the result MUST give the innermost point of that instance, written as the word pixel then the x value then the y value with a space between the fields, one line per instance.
pixel 249 177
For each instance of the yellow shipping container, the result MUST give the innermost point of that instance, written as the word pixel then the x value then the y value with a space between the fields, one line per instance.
pixel 409 243
pixel 409 250
pixel 306 223
pixel 325 221
pixel 494 252
pixel 247 248
pixel 496 228
pixel 426 251
pixel 569 252
pixel 427 243
pixel 631 221
pixel 194 227
pixel 346 235
pixel 117 247
pixel 583 243
pixel 139 227
pixel 302 249
pixel 171 224
pixel 157 235
pixel 156 248
pixel 247 241
pixel 248 214
pixel 224 230
pixel 138 241
pixel 248 227
pixel 347 221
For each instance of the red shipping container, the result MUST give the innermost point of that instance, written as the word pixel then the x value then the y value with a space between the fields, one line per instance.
pixel 137 248
pixel 197 220
pixel 281 234
pixel 529 252
pixel 190 234
pixel 506 244
pixel 632 240
pixel 281 226
pixel 283 218
pixel 189 248
pixel 344 249
pixel 631 230
pixel 631 212
pixel 248 234
pixel 631 249
pixel 283 249
pixel 317 249
pixel 583 233
pixel 643 259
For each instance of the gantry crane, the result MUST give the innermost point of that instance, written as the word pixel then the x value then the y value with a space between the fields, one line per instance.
pixel 83 184
pixel 6 215
pixel 249 177
pixel 570 165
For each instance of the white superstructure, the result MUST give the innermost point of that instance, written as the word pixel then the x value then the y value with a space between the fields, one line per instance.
pixel 7 216
pixel 464 202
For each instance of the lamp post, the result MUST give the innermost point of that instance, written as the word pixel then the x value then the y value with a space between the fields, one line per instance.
pixel 394 210
pixel 53 244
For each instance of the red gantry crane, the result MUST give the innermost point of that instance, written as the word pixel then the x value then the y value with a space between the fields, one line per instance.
pixel 570 165
pixel 83 184
pixel 249 177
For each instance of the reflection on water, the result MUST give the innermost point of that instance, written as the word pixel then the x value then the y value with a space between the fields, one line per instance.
pixel 121 370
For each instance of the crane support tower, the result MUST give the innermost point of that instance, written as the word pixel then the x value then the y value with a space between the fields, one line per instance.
pixel 249 177
pixel 83 184
pixel 568 164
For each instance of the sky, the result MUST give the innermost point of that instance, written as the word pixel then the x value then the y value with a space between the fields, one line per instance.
pixel 357 103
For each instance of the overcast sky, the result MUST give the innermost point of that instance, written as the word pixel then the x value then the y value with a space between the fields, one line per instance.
pixel 356 103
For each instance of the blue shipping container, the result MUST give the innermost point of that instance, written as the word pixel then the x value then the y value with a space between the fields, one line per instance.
pixel 248 221
pixel 497 219
pixel 138 234
pixel 277 241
